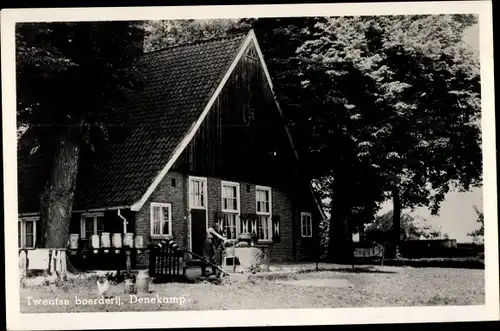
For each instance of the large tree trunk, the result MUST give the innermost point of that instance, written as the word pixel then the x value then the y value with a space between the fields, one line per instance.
pixel 361 229
pixel 56 201
pixel 396 220
pixel 340 237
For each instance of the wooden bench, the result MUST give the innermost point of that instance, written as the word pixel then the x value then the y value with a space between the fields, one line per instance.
pixel 370 253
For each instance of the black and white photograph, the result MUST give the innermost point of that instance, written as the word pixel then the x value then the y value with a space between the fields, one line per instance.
pixel 188 160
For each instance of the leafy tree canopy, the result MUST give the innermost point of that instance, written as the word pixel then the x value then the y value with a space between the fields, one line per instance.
pixel 407 90
pixel 74 75
pixel 480 219
pixel 411 229
pixel 72 79
pixel 380 107
pixel 161 34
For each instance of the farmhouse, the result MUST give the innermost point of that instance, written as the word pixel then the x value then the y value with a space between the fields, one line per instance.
pixel 205 140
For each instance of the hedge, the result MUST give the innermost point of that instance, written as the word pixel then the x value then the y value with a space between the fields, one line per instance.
pixel 443 262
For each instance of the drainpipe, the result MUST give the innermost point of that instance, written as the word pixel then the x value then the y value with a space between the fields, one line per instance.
pixel 124 221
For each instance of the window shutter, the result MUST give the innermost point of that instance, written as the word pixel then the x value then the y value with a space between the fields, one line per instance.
pixel 254 227
pixel 245 224
pixel 276 228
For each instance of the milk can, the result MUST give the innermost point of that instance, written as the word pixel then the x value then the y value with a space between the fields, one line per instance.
pixel 95 242
pixel 129 286
pixel 139 241
pixel 117 241
pixel 142 281
pixel 105 241
pixel 73 240
pixel 128 240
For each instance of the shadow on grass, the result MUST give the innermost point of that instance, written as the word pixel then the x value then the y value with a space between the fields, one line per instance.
pixel 356 270
pixel 182 280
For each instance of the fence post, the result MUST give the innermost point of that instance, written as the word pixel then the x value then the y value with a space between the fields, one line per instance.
pixel 127 260
pixel 152 260
pixel 23 263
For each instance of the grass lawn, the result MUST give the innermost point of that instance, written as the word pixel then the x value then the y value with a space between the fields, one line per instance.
pixel 388 286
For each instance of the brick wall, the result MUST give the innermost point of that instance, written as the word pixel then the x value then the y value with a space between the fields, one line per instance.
pixel 282 251
pixel 307 248
pixel 281 205
pixel 165 193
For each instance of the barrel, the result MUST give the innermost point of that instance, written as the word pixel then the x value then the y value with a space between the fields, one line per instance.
pixel 142 281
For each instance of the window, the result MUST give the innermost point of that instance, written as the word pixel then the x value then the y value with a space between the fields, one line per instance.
pixel 230 208
pixel 263 223
pixel 252 52
pixel 229 222
pixel 91 224
pixel 26 235
pixel 198 193
pixel 230 197
pixel 161 219
pixel 306 224
pixel 263 208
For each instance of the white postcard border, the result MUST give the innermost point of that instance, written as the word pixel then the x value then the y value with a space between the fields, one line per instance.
pixel 15 320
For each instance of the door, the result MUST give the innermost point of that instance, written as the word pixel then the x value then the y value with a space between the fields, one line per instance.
pixel 198 229
pixel 198 209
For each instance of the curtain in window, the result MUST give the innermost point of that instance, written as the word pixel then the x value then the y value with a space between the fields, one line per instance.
pixel 156 220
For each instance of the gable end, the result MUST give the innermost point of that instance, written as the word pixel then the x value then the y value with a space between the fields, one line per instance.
pixel 251 50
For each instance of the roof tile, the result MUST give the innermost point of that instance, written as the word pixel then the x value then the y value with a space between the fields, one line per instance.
pixel 178 82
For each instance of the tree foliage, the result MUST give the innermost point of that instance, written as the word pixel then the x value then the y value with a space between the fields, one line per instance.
pixel 480 219
pixel 411 90
pixel 380 107
pixel 161 34
pixel 72 79
pixel 403 94
pixel 74 75
pixel 411 229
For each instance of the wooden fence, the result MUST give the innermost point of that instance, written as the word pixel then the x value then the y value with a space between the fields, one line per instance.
pixel 165 262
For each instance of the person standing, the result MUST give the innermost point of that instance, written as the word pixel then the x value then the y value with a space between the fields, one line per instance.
pixel 214 243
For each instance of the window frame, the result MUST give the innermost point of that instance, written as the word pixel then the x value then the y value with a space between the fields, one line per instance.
pixel 238 206
pixel 22 234
pixel 302 217
pixel 236 226
pixel 268 214
pixel 162 220
pixel 236 211
pixel 83 224
pixel 204 193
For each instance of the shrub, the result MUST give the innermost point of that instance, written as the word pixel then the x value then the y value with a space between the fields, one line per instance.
pixel 443 262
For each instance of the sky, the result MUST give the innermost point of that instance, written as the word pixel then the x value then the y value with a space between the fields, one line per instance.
pixel 457 216
pixel 471 37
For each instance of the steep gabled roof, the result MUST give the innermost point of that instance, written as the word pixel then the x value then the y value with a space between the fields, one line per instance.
pixel 178 83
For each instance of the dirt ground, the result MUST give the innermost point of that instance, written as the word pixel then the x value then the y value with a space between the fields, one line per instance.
pixel 388 286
